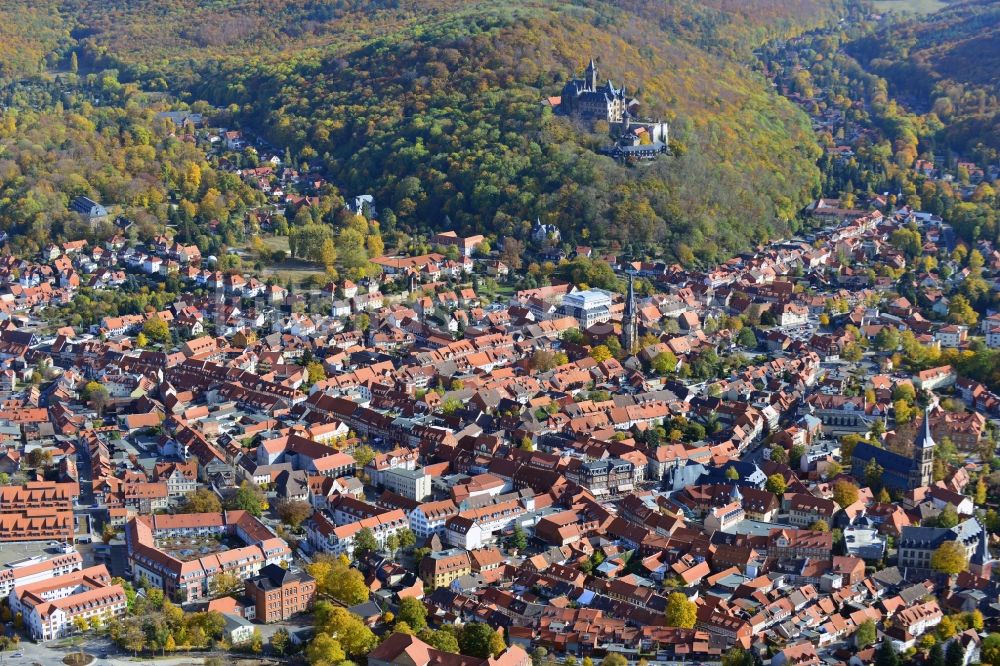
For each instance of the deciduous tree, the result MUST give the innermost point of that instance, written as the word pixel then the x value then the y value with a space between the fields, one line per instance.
pixel 156 329
pixel 949 558
pixel 865 635
pixel 337 579
pixel 886 654
pixel 480 640
pixel 665 362
pixel 845 493
pixel 202 500
pixel 776 484
pixel 293 512
pixel 364 542
pixel 363 455
pixel 440 639
pixel 224 584
pixel 352 633
pixel 600 353
pixel 681 611
pixel 413 612
pixel 249 498
pixel 280 641
pixel 324 651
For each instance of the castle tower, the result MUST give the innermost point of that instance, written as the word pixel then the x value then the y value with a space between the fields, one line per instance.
pixel 590 76
pixel 923 453
pixel 630 336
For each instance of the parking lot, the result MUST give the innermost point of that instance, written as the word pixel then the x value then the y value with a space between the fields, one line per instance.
pixel 15 551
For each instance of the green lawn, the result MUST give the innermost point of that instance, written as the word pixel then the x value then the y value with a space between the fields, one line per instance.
pixel 275 242
pixel 295 270
pixel 911 6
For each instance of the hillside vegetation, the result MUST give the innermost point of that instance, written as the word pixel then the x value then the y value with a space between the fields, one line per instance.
pixel 435 106
pixel 948 63
pixel 30 35
pixel 115 151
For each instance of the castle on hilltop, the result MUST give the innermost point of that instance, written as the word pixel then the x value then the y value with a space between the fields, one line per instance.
pixel 590 101
pixel 585 98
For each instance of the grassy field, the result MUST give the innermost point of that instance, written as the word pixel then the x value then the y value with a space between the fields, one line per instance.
pixel 295 270
pixel 911 6
pixel 276 243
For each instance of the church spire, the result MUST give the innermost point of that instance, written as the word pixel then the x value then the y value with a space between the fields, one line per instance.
pixel 925 440
pixel 981 555
pixel 923 453
pixel 629 326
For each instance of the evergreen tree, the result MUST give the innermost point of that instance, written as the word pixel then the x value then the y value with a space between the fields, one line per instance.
pixel 886 654
pixel 955 654
pixel 936 655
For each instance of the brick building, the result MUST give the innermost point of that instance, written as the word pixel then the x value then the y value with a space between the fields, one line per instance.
pixel 279 593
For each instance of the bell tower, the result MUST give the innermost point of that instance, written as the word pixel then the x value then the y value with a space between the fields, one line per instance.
pixel 923 453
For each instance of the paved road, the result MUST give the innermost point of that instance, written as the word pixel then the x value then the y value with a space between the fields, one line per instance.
pixel 52 653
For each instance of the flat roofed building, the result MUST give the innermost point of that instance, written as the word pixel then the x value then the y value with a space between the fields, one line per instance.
pixel 414 484
pixel 588 307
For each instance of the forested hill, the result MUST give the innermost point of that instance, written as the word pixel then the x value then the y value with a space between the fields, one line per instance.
pixel 948 63
pixel 434 105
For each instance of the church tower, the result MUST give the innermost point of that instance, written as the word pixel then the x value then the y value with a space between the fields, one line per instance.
pixel 590 76
pixel 981 562
pixel 629 325
pixel 923 454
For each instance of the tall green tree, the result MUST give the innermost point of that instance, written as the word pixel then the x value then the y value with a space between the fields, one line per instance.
pixel 249 498
pixel 865 635
pixel 413 612
pixel 955 654
pixel 886 654
pixel 480 640
pixel 364 542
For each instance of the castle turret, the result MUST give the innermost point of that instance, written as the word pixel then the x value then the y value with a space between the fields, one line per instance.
pixel 590 76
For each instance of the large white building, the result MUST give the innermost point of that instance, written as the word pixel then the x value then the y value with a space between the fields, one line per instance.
pixel 49 607
pixel 414 484
pixel 993 337
pixel 36 569
pixel 588 307
pixel 327 536
pixel 430 518
pixel 474 528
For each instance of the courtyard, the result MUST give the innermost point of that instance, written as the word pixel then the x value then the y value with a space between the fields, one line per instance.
pixel 186 548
